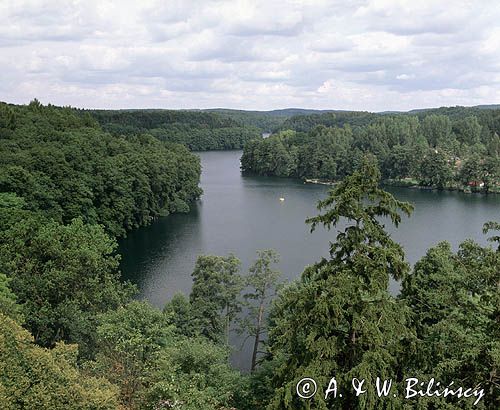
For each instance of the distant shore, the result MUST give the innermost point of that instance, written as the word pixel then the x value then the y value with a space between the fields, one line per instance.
pixel 407 183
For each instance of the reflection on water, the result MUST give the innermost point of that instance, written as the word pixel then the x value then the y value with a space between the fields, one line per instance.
pixel 152 254
pixel 242 214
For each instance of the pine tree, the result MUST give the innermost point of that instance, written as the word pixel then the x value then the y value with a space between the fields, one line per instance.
pixel 455 303
pixel 339 320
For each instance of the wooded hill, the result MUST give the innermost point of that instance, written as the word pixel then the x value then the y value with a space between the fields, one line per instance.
pixel 65 166
pixel 197 130
pixel 452 148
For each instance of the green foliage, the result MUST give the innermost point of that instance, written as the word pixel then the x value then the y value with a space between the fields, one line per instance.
pixel 8 120
pixel 8 305
pixel 196 130
pixel 468 130
pixel 194 373
pixel 140 351
pixel 288 155
pixel 435 170
pixel 306 122
pixel 490 172
pixel 436 129
pixel 34 378
pixel 180 310
pixel 474 171
pixel 402 162
pixel 339 319
pixel 492 226
pixel 64 166
pixel 266 121
pixel 129 343
pixel 214 303
pixel 260 383
pixel 65 184
pixel 261 283
pixel 364 244
pixel 62 275
pixel 455 303
pixel 314 147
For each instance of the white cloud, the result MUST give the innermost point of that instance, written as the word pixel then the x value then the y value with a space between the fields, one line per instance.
pixel 357 54
pixel 405 76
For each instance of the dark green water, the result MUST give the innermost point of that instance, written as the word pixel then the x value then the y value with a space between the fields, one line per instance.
pixel 242 214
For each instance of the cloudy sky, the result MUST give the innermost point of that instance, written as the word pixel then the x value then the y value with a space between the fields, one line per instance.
pixel 349 54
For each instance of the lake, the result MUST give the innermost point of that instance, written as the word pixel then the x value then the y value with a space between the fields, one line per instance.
pixel 242 214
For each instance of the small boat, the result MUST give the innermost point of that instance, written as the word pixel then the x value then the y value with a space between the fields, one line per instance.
pixel 282 199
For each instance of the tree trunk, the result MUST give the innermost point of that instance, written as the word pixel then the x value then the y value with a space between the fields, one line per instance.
pixel 257 336
pixel 227 326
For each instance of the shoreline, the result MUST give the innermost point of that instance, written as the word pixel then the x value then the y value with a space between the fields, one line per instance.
pixel 403 184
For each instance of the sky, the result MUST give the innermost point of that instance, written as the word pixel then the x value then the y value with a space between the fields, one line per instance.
pixel 372 55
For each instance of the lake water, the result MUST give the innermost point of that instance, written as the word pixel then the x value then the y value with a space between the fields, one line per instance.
pixel 242 214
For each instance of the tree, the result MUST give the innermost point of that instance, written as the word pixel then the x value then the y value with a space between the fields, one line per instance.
pixel 492 226
pixel 129 343
pixel 141 352
pixel 192 374
pixel 62 275
pixel 180 310
pixel 64 166
pixel 8 305
pixel 455 303
pixel 468 130
pixel 401 162
pixel 7 118
pixel 33 378
pixel 471 171
pixel 262 281
pixel 214 295
pixel 435 171
pixel 436 129
pixel 339 318
pixel 366 232
pixel 491 172
pixel 328 148
pixel 493 145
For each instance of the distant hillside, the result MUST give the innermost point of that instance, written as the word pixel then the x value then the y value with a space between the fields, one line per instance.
pixel 304 123
pixel 301 119
pixel 267 121
pixel 197 130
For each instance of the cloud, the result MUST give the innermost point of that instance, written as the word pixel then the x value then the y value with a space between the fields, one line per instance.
pixel 406 17
pixel 351 54
pixel 405 77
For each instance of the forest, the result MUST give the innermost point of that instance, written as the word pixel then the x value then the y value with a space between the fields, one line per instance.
pixel 74 336
pixel 448 148
pixel 64 166
pixel 197 130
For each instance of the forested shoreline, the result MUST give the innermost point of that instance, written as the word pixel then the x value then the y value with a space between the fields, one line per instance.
pixel 73 336
pixel 197 130
pixel 455 148
pixel 64 166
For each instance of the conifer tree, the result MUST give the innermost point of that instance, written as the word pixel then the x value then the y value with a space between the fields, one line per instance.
pixel 455 301
pixel 214 296
pixel 339 320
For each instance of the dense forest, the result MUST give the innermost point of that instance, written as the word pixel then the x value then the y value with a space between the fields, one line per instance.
pixel 64 166
pixel 266 121
pixel 72 335
pixel 197 130
pixel 447 148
